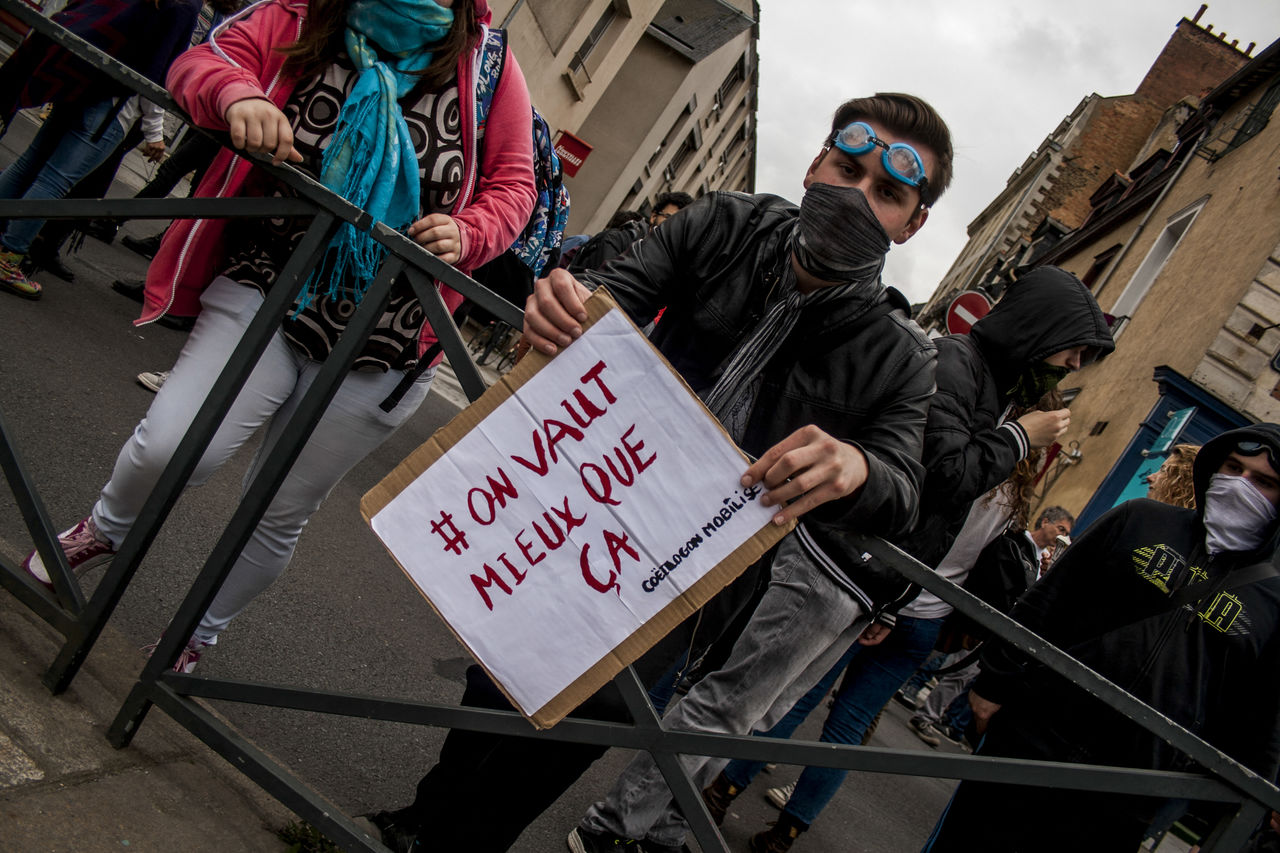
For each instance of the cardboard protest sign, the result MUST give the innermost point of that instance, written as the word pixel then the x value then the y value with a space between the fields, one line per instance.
pixel 571 517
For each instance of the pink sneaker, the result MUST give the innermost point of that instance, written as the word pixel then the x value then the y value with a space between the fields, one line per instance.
pixel 85 546
pixel 188 659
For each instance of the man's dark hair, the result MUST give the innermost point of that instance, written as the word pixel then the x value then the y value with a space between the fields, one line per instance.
pixel 909 116
pixel 679 199
pixel 1055 514
pixel 622 217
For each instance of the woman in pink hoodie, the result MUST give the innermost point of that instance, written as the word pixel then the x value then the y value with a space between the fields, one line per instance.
pixel 343 89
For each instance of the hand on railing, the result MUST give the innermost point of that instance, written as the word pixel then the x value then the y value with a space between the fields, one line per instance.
pixel 258 126
pixel 439 234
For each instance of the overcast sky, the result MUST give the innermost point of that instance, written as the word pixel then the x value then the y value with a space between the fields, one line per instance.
pixel 1003 74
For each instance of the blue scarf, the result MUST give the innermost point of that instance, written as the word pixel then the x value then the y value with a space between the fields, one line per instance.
pixel 370 160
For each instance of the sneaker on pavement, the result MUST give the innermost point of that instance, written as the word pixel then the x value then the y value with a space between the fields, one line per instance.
pixel 147 246
pixel 49 261
pixel 152 380
pixel 954 736
pixel 84 546
pixel 586 841
pixel 779 797
pixel 13 279
pixel 950 734
pixel 134 288
pixel 908 702
pixel 189 657
pixel 385 826
pixel 102 229
pixel 925 730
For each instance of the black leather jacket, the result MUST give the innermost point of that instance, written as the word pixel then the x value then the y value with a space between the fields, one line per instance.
pixel 860 370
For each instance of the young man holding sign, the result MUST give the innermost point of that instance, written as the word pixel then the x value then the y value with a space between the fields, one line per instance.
pixel 778 319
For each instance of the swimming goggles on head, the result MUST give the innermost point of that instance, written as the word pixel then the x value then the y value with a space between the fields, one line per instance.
pixel 900 159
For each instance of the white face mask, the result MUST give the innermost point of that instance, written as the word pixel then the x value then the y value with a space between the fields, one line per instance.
pixel 1237 517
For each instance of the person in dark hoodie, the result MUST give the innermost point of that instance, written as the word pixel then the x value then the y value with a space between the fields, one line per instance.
pixel 983 420
pixel 1046 325
pixel 1178 606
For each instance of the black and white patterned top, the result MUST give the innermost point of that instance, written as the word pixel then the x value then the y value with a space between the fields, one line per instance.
pixel 259 249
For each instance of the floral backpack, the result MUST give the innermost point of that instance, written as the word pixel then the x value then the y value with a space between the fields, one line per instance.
pixel 544 232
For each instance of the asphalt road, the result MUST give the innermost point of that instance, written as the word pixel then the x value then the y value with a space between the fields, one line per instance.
pixel 343 617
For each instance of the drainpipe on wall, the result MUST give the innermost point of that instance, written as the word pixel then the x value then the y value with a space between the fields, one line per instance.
pixel 1142 226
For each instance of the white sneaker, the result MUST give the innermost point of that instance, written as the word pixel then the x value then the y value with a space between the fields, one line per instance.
pixel 153 380
pixel 189 657
pixel 779 797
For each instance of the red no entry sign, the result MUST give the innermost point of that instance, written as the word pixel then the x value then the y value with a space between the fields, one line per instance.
pixel 965 310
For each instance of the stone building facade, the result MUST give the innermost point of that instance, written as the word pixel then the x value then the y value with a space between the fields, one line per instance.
pixel 664 92
pixel 1184 252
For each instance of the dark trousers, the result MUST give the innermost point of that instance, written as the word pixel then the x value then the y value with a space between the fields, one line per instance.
pixel 194 153
pixel 485 789
pixel 999 818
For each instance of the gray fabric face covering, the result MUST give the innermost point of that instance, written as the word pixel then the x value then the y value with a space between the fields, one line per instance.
pixel 1237 517
pixel 838 237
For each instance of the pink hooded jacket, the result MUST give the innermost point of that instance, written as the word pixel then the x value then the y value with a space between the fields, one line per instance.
pixel 242 62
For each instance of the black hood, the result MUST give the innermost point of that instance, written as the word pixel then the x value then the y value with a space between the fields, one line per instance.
pixel 1045 311
pixel 1214 452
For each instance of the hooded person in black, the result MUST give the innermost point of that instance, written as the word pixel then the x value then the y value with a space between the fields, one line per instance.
pixel 1046 325
pixel 1114 601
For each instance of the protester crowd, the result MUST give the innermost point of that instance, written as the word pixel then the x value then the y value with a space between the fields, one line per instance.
pixel 776 316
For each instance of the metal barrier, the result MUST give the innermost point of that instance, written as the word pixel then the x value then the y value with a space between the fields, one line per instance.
pixel 81 620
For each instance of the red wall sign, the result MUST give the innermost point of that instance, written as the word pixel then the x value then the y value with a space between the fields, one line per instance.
pixel 572 152
pixel 965 310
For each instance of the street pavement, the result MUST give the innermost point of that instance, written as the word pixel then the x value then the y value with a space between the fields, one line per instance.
pixel 342 618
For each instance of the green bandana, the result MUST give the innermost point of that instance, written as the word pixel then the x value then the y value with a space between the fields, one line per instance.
pixel 1036 381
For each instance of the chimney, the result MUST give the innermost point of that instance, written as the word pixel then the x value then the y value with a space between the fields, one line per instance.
pixel 1203 7
pixel 1248 50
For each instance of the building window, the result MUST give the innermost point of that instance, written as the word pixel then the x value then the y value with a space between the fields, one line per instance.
pixel 734 144
pixel 1099 265
pixel 1163 248
pixel 736 75
pixel 687 147
pixel 579 61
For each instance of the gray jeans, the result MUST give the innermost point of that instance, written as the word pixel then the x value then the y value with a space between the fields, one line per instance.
pixel 802 625
pixel 351 428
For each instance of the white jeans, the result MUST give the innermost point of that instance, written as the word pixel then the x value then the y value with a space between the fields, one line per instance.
pixel 351 428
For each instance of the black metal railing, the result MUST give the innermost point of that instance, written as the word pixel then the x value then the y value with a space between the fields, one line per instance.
pixel 80 620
